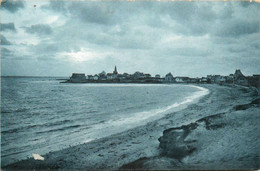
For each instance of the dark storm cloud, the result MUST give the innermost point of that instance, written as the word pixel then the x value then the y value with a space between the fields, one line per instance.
pixel 124 38
pixel 94 12
pixel 184 17
pixel 40 29
pixel 238 28
pixel 12 6
pixel 206 18
pixel 90 12
pixel 178 10
pixel 186 38
pixel 4 41
pixel 5 52
pixel 46 50
pixel 58 6
pixel 8 27
pixel 188 51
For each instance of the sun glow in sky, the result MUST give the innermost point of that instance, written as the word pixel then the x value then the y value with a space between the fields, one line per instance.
pixel 82 55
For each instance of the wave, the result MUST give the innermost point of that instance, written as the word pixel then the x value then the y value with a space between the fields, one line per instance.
pixel 59 129
pixel 142 118
pixel 14 111
pixel 25 128
pixel 86 133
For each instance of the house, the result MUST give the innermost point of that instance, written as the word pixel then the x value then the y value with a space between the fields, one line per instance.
pixel 230 78
pixel 138 75
pixel 254 80
pixel 210 78
pixel 217 79
pixel 110 76
pixel 96 77
pixel 204 80
pixel 222 80
pixel 181 79
pixel 158 78
pixel 102 76
pixel 78 78
pixel 121 77
pixel 214 78
pixel 90 77
pixel 147 75
pixel 193 80
pixel 127 76
pixel 169 78
pixel 240 79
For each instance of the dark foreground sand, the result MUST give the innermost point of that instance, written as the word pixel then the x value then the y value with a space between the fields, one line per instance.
pixel 221 131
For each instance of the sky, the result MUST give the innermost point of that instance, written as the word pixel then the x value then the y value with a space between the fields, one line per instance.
pixel 58 38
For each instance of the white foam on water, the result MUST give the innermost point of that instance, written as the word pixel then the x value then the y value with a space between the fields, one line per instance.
pixel 117 125
pixel 141 118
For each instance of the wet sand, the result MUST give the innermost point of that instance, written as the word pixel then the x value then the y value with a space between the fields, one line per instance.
pixel 138 148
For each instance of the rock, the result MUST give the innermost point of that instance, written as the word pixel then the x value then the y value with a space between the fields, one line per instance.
pixel 246 106
pixel 242 107
pixel 153 163
pixel 173 144
pixel 211 122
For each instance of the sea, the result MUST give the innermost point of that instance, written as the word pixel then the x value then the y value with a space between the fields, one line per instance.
pixel 41 115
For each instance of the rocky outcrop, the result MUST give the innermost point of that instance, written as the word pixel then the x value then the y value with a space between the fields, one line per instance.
pixel 173 143
pixel 153 163
pixel 180 142
pixel 255 102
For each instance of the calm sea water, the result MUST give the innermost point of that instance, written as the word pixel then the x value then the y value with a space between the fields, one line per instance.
pixel 39 115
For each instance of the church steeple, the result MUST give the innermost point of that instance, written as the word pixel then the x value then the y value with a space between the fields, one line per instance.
pixel 115 71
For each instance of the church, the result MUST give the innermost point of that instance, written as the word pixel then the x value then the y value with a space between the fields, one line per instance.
pixel 112 76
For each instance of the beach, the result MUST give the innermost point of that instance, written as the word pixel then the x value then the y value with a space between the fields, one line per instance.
pixel 220 131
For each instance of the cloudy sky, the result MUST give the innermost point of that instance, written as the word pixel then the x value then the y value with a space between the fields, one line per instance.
pixel 56 38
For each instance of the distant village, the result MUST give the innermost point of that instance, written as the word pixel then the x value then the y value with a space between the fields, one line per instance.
pixel 139 77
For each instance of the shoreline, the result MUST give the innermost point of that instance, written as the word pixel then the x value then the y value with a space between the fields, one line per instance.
pixel 140 142
pixel 149 116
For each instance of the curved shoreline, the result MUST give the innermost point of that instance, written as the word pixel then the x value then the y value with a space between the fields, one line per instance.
pixel 118 125
pixel 114 151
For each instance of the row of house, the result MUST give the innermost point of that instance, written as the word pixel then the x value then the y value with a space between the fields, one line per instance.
pixel 140 77
pixel 236 78
pixel 114 77
pixel 170 79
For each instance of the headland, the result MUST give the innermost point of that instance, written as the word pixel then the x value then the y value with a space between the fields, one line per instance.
pixel 146 78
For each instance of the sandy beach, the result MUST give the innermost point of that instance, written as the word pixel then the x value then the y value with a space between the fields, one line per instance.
pixel 220 131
